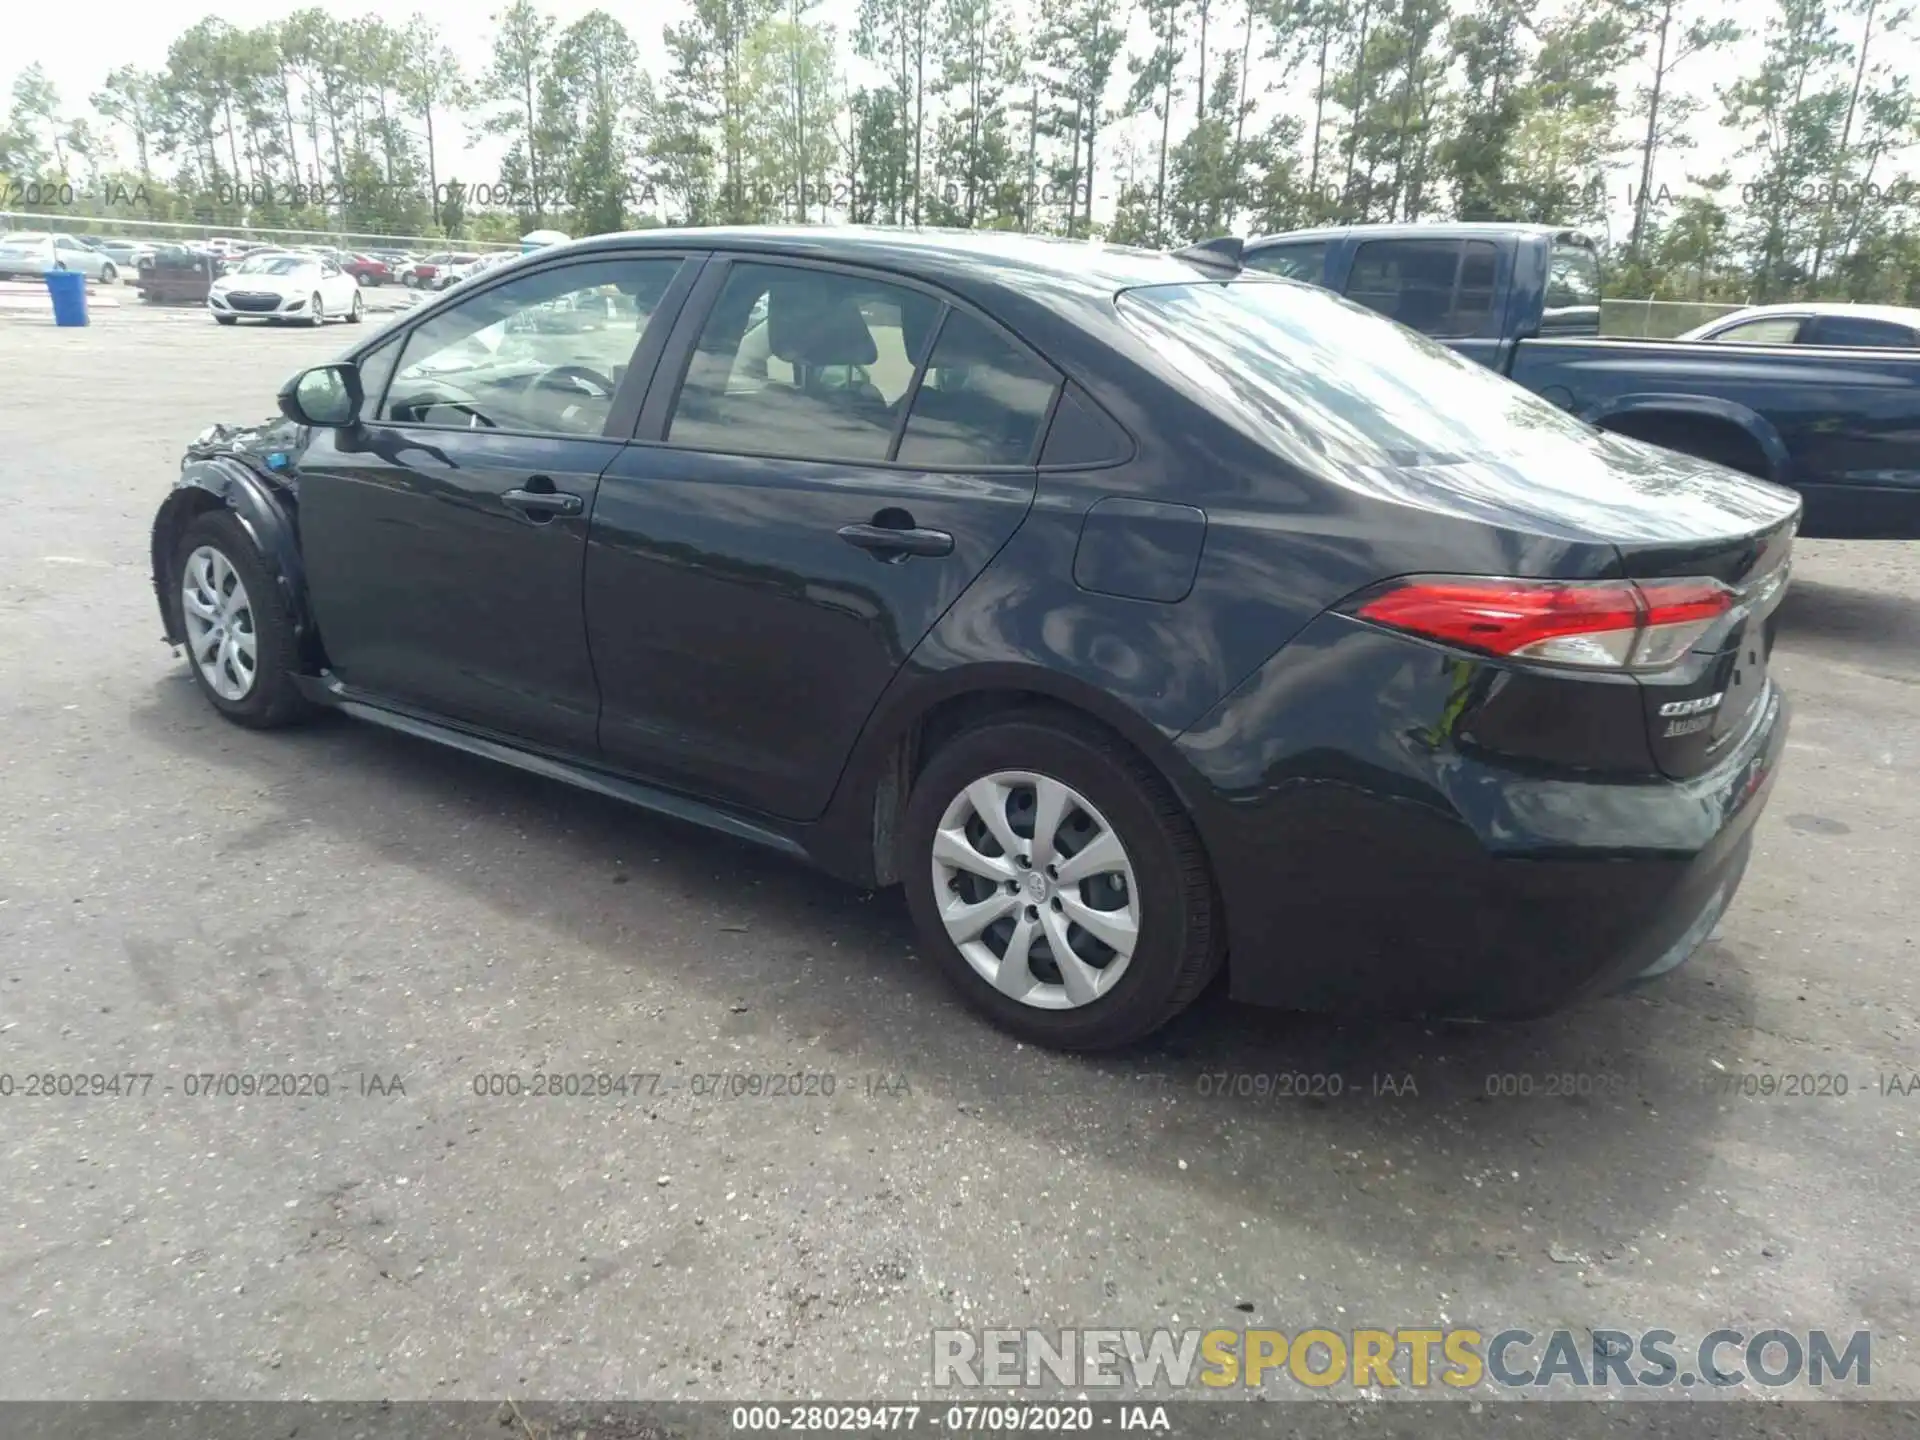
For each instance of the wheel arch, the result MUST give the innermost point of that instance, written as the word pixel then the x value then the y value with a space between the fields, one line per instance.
pixel 1730 431
pixel 856 837
pixel 267 513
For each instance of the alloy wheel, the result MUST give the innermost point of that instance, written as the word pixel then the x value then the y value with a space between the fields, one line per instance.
pixel 220 630
pixel 1036 890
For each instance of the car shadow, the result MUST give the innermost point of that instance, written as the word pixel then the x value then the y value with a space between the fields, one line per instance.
pixel 1488 1145
pixel 1870 628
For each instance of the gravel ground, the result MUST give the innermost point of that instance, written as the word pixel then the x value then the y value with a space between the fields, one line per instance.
pixel 179 896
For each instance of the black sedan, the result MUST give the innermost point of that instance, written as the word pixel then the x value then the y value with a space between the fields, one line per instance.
pixel 1137 622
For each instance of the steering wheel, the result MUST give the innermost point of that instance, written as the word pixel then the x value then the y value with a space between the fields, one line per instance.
pixel 582 376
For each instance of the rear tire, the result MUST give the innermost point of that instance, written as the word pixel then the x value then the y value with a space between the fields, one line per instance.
pixel 1143 883
pixel 109 275
pixel 227 602
pixel 353 315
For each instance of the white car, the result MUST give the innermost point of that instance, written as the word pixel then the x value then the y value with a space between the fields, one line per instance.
pixel 29 254
pixel 283 286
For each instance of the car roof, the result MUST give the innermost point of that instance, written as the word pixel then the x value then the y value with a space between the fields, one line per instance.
pixel 1897 314
pixel 1085 267
pixel 1417 230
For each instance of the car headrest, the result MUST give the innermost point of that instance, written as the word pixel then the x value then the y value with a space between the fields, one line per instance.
pixel 810 324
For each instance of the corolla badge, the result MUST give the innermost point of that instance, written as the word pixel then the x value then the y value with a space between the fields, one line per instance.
pixel 1692 707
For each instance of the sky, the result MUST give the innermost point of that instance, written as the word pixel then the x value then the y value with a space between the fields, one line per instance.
pixel 140 34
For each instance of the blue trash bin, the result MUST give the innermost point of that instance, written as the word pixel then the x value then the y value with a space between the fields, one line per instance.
pixel 69 291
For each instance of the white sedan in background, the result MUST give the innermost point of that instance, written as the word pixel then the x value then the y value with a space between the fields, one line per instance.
pixel 286 286
pixel 29 254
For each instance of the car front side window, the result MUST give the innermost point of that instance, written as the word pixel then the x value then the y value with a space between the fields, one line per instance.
pixel 543 353
pixel 809 363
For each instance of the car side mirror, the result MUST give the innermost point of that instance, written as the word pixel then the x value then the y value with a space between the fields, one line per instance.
pixel 327 396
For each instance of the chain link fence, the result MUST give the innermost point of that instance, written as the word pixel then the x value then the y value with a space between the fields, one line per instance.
pixel 175 232
pixel 1657 319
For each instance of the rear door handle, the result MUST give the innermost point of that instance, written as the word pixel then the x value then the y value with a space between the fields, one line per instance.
pixel 542 506
pixel 889 543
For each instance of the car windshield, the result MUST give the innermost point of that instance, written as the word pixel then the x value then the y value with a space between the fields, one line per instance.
pixel 276 265
pixel 1304 367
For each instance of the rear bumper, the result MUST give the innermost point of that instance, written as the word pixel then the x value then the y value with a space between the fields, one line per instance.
pixel 1366 864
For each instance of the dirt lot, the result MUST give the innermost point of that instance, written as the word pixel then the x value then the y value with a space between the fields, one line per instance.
pixel 180 897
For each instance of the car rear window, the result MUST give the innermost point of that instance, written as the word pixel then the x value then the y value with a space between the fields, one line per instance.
pixel 1438 287
pixel 1304 367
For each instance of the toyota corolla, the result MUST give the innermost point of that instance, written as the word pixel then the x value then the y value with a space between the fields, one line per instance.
pixel 1138 623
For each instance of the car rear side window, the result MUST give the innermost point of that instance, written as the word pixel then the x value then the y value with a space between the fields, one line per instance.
pixel 1438 287
pixel 1305 260
pixel 1310 373
pixel 1858 330
pixel 814 364
pixel 982 400
pixel 1769 330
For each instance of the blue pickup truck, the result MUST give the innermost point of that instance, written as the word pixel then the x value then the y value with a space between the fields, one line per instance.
pixel 1841 426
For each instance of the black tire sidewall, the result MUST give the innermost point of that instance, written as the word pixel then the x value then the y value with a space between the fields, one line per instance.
pixel 274 698
pixel 1174 912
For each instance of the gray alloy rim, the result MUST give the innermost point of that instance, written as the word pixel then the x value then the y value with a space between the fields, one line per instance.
pixel 1036 890
pixel 220 633
pixel 319 311
pixel 356 304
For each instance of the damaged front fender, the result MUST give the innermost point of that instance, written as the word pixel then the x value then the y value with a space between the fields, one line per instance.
pixel 249 472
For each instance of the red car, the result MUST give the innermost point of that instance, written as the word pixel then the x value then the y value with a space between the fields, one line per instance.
pixel 367 269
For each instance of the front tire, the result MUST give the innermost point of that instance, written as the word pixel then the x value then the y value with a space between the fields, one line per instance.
pixel 226 319
pixel 1058 882
pixel 239 638
pixel 316 311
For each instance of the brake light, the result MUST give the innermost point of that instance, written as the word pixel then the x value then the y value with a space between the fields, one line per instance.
pixel 1599 624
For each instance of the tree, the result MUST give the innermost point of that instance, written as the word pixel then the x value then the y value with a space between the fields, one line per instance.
pixel 518 80
pixel 430 81
pixel 1675 37
pixel 130 99
pixel 596 68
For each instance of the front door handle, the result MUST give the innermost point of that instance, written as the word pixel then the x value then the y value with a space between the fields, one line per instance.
pixel 542 506
pixel 888 543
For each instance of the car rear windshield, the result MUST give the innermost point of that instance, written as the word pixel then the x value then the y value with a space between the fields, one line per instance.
pixel 1306 367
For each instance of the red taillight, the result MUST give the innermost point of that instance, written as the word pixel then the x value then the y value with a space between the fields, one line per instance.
pixel 1614 624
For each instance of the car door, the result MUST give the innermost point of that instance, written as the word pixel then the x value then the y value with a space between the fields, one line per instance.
pixel 70 254
pixel 338 287
pixel 443 535
pixel 805 496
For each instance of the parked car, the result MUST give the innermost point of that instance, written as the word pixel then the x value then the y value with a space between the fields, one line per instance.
pixel 178 274
pixel 1133 621
pixel 458 266
pixel 426 271
pixel 286 287
pixel 1841 426
pixel 126 254
pixel 368 269
pixel 1816 322
pixel 30 254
